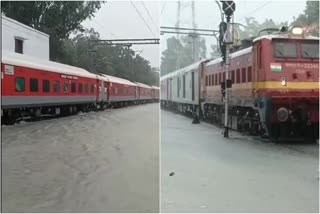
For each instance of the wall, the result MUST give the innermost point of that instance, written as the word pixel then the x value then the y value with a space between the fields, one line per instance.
pixel 35 43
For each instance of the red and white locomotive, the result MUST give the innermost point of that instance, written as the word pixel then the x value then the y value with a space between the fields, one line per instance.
pixel 35 87
pixel 275 87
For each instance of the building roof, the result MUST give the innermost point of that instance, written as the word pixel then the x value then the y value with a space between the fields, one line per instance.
pixel 22 25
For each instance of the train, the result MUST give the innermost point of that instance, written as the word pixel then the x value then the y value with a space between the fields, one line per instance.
pixel 274 91
pixel 32 87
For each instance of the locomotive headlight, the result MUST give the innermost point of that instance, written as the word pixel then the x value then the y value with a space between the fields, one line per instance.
pixel 283 81
pixel 297 31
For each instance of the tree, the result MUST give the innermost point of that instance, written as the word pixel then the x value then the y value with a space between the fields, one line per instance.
pixel 179 53
pixel 111 60
pixel 56 18
pixel 310 19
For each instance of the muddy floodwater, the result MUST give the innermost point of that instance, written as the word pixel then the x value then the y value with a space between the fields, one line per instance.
pixel 94 162
pixel 203 172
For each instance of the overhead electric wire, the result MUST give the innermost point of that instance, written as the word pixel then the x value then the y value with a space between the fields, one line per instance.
pixel 155 25
pixel 142 18
pixel 112 34
pixel 255 10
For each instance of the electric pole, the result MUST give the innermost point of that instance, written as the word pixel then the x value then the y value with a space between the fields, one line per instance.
pixel 228 8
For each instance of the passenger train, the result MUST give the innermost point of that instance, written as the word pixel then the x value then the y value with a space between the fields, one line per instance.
pixel 275 87
pixel 34 87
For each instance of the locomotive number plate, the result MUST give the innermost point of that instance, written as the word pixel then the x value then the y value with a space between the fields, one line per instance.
pixel 9 69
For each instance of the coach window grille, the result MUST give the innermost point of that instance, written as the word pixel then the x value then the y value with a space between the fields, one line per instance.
pixel 249 74
pixel 56 86
pixel 80 87
pixel 219 78
pixel 216 79
pixel 238 76
pixel 73 87
pixel 213 80
pixel 45 86
pixel 243 75
pixel 206 80
pixel 33 85
pixel 65 87
pixel 20 84
pixel 92 89
pixel 224 77
pixel 232 76
pixel 86 88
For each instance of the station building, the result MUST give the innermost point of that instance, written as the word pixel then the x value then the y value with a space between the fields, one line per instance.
pixel 20 38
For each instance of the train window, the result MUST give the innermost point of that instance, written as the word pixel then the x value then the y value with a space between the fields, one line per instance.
pixel 219 78
pixel 206 80
pixel 310 50
pixel 243 75
pixel 216 79
pixel 224 77
pixel 210 81
pixel 80 88
pixel 65 87
pixel 86 88
pixel 212 76
pixel 56 86
pixel 238 76
pixel 249 74
pixel 284 49
pixel 20 84
pixel 33 85
pixel 232 76
pixel 45 86
pixel 73 87
pixel 92 89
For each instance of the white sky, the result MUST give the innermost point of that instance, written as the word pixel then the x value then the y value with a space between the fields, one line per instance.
pixel 119 19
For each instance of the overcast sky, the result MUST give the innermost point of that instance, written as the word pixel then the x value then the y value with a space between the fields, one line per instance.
pixel 119 19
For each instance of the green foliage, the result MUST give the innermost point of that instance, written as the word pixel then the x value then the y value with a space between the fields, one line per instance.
pixel 253 27
pixel 56 18
pixel 111 60
pixel 179 53
pixel 310 19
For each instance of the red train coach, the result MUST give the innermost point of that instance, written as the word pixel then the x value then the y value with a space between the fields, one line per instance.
pixel 34 86
pixel 120 91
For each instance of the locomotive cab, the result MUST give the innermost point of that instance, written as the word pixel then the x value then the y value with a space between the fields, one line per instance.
pixel 286 82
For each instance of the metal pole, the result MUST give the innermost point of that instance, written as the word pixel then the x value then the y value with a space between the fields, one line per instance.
pixel 226 104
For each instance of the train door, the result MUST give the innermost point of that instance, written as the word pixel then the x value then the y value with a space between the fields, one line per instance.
pixel 99 90
pixel 104 91
pixel 170 89
pixel 256 65
pixel 167 89
pixel 192 85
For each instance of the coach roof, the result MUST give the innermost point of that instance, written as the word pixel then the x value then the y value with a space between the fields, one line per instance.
pixel 16 59
pixel 118 80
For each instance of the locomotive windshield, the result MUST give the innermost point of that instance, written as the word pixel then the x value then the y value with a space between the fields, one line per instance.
pixel 310 50
pixel 285 49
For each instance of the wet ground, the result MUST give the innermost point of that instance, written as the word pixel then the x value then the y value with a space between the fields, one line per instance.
pixel 93 162
pixel 204 172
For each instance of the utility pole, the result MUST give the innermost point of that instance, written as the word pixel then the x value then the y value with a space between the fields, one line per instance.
pixel 117 42
pixel 228 8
